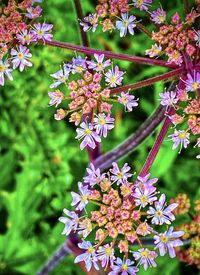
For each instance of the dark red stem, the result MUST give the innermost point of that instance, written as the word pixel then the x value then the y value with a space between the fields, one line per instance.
pixel 120 56
pixel 147 82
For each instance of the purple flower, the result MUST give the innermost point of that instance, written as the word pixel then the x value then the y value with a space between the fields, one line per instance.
pixel 167 241
pixel 114 77
pixel 192 82
pixel 78 65
pixel 146 257
pixel 33 12
pixel 144 197
pixel 161 215
pixel 124 267
pixel 43 31
pixel 5 70
pixel 99 65
pixel 56 98
pixel 197 38
pixel 21 57
pixel 120 176
pixel 85 227
pixel 154 51
pixel 93 175
pixel 89 136
pixel 103 123
pixel 158 16
pixel 126 24
pixel 142 4
pixel 145 182
pixel 70 222
pixel 25 37
pixel 90 22
pixel 89 257
pixel 80 200
pixel 168 98
pixel 128 101
pixel 106 255
pixel 180 137
pixel 61 77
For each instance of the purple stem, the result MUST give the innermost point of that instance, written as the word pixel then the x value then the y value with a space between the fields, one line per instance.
pixel 147 82
pixel 155 149
pixel 80 16
pixel 120 56
pixel 148 127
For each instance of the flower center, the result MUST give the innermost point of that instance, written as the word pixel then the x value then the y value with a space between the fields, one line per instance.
pixel 91 250
pixel 164 239
pixel 195 85
pixel 99 65
pixel 87 131
pixel 2 68
pixel 113 79
pixel 26 38
pixel 124 267
pixel 125 23
pixel 161 18
pixel 143 199
pixel 140 2
pixel 120 175
pixel 20 55
pixel 63 78
pixel 144 254
pixel 182 135
pixel 102 121
pixel 83 198
pixel 108 251
pixel 159 213
pixel 40 33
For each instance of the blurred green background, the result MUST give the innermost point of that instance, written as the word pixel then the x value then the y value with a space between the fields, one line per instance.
pixel 41 161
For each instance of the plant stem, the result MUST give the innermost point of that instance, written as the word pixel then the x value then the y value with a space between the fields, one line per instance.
pixel 56 258
pixel 147 82
pixel 186 6
pixel 79 12
pixel 148 127
pixel 120 56
pixel 143 29
pixel 155 149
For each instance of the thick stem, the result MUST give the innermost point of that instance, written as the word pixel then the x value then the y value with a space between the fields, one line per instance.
pixel 148 127
pixel 91 51
pixel 147 82
pixel 155 149
pixel 79 12
pixel 56 258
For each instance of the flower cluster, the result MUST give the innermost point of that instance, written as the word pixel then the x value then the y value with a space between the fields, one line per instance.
pixel 122 214
pixel 186 102
pixel 190 253
pixel 114 14
pixel 17 32
pixel 175 38
pixel 90 96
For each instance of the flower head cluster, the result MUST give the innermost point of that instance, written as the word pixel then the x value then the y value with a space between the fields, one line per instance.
pixel 114 14
pixel 17 32
pixel 175 38
pixel 186 103
pixel 89 98
pixel 123 213
pixel 190 253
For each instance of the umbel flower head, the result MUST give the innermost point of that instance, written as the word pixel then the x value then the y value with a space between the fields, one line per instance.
pixel 18 30
pixel 89 96
pixel 118 214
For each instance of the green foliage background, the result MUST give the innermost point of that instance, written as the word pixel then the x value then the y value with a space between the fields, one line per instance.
pixel 41 162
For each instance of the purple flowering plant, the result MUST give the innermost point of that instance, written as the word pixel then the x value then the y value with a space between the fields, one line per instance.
pixel 115 212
